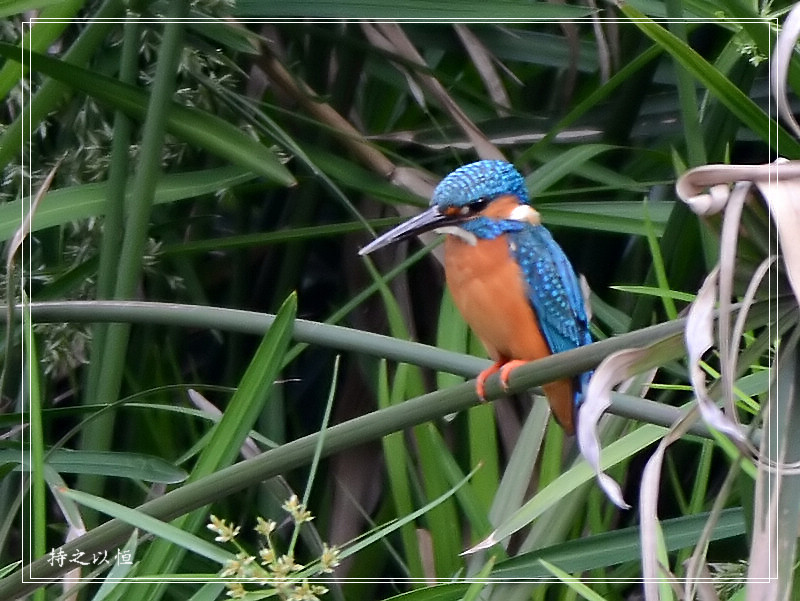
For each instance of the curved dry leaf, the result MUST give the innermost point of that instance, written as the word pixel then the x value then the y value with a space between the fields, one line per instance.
pixel 249 447
pixel 650 530
pixel 633 368
pixel 699 338
pixel 398 43
pixel 728 244
pixel 712 202
pixel 783 198
pixel 706 188
pixel 484 61
pixel 613 370
pixel 25 227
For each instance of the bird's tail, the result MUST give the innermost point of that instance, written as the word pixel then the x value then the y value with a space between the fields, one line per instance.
pixel 565 396
pixel 561 396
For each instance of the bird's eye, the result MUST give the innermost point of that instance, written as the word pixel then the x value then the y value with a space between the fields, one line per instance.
pixel 468 210
pixel 476 206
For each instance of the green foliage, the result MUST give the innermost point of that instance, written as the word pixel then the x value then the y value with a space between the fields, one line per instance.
pixel 214 181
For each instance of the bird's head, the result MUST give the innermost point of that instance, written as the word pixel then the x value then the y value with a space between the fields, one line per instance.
pixel 483 190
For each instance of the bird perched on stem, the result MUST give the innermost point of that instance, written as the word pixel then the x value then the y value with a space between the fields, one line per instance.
pixel 508 277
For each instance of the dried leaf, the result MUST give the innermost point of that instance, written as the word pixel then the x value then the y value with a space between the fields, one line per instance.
pixel 399 44
pixel 25 227
pixel 729 238
pixel 648 509
pixel 483 60
pixel 706 189
pixel 783 197
pixel 699 338
pixel 614 369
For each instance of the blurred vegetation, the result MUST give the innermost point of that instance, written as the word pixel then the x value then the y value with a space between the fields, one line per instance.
pixel 212 170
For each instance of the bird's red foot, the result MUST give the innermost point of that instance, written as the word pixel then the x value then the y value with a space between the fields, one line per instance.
pixel 480 382
pixel 505 371
pixel 504 367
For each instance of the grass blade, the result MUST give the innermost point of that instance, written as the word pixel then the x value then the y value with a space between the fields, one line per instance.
pixel 197 127
pixel 735 99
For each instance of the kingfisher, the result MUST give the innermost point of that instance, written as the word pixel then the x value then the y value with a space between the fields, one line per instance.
pixel 510 280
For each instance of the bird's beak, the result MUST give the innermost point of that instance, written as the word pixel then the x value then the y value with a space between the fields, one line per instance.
pixel 424 222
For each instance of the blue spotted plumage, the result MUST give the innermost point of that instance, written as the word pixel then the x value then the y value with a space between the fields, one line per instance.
pixel 482 179
pixel 554 290
pixel 489 229
pixel 509 278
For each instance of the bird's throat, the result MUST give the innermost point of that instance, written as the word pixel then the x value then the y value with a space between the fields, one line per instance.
pixel 458 232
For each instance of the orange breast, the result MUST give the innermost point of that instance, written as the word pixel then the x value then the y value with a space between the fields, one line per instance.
pixel 489 290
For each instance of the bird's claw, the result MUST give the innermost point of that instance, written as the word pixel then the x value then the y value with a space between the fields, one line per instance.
pixel 480 382
pixel 505 372
pixel 505 368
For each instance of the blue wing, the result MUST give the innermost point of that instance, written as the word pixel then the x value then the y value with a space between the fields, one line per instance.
pixel 553 288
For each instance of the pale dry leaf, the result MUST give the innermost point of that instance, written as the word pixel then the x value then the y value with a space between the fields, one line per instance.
pixel 402 46
pixel 699 338
pixel 483 60
pixel 783 198
pixel 415 180
pixel 627 369
pixel 379 40
pixel 706 188
pixel 729 238
pixel 249 447
pixel 25 227
pixel 614 369
pixel 650 531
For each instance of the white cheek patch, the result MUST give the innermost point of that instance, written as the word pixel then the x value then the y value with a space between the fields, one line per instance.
pixel 525 213
pixel 456 231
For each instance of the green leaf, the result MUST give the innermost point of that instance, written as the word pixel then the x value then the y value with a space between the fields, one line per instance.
pixel 657 292
pixel 572 582
pixel 442 592
pixel 33 403
pixel 383 531
pixel 197 127
pixel 398 465
pixel 15 7
pixel 565 163
pixel 51 22
pixel 51 93
pixel 248 401
pixel 623 217
pixel 230 432
pixel 410 9
pixel 569 481
pixel 161 530
pixel 80 202
pixel 618 546
pixel 120 569
pixel 108 463
pixel 747 111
